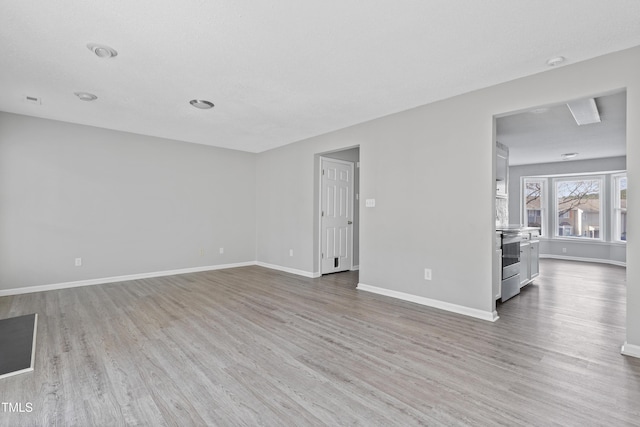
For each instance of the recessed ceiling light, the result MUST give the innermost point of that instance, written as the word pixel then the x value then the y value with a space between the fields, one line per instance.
pixel 202 104
pixel 85 96
pixel 569 156
pixel 555 61
pixel 32 99
pixel 102 51
pixel 540 110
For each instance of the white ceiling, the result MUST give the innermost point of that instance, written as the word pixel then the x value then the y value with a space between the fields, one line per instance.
pixel 542 135
pixel 282 70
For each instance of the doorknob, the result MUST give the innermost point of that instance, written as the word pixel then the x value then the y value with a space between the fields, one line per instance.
pixel 349 222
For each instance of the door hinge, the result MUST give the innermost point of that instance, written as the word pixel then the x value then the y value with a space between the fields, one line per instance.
pixel 322 213
pixel 322 255
pixel 322 171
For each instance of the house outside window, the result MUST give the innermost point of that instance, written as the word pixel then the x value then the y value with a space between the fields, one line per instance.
pixel 620 208
pixel 578 208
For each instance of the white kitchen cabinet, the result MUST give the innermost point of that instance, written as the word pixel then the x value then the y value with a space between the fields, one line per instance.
pixel 535 259
pixel 525 263
pixel 497 267
pixel 502 185
pixel 529 258
pixel 502 170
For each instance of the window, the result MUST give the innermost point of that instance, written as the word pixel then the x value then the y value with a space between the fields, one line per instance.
pixel 620 208
pixel 534 202
pixel 578 208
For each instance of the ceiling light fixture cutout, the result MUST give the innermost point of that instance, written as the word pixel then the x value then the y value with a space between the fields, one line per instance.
pixel 85 96
pixel 102 51
pixel 553 62
pixel 569 156
pixel 584 111
pixel 201 104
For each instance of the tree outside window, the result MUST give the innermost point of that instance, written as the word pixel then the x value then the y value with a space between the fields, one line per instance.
pixel 578 208
pixel 534 202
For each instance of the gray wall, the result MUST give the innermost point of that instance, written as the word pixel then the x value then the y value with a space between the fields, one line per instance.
pixel 351 155
pixel 432 172
pixel 124 203
pixel 410 163
pixel 598 251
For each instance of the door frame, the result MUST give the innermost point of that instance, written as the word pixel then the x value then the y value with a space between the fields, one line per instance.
pixel 321 159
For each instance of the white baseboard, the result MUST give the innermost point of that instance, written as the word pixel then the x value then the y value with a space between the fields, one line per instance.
pixel 309 274
pixel 630 350
pixel 355 268
pixel 115 279
pixel 574 258
pixel 454 308
pixel 128 277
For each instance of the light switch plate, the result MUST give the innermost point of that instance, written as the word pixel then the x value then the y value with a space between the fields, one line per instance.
pixel 370 203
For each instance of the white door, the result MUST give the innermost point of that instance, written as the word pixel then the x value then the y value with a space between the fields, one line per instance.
pixel 336 215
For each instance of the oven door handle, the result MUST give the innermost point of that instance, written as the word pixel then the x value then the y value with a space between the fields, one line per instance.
pixel 512 239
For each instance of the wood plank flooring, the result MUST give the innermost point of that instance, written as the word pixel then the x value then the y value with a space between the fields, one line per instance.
pixel 252 346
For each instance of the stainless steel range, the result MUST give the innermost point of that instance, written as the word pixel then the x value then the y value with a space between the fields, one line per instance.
pixel 510 263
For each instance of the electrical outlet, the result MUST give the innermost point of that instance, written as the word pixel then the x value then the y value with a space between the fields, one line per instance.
pixel 221 250
pixel 78 262
pixel 427 274
pixel 564 250
pixel 201 251
pixel 290 252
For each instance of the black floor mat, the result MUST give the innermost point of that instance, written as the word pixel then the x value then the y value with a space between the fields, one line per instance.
pixel 17 344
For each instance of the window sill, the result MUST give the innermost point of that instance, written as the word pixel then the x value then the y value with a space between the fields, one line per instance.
pixel 582 240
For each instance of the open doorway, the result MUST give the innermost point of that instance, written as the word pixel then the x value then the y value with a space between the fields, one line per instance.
pixel 567 177
pixel 338 183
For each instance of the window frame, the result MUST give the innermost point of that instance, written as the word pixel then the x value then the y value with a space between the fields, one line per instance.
pixel 616 208
pixel 602 194
pixel 543 202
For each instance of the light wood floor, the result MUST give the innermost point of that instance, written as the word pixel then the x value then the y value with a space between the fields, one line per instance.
pixel 252 346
